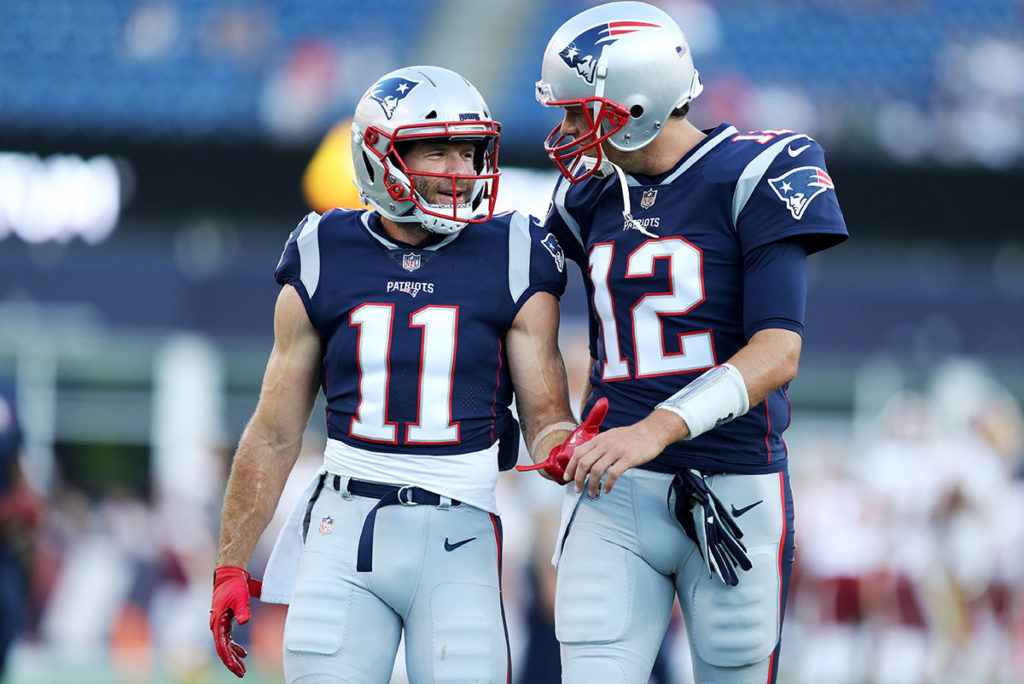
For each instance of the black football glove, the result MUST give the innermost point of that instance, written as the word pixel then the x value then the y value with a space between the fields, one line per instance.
pixel 707 522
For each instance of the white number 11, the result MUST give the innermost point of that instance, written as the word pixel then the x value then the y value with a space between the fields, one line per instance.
pixel 437 363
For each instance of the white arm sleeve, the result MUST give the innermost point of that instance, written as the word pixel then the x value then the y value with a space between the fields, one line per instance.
pixel 715 397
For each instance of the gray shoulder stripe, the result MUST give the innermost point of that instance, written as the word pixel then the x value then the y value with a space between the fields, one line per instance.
pixel 753 173
pixel 308 243
pixel 518 255
pixel 559 202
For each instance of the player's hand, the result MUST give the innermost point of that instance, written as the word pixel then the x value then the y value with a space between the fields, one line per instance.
pixel 612 453
pixel 232 587
pixel 559 456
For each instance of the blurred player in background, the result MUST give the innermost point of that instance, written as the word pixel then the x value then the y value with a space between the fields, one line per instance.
pixel 417 319
pixel 20 513
pixel 693 247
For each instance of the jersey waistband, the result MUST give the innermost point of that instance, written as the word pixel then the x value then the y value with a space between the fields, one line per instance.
pixel 470 477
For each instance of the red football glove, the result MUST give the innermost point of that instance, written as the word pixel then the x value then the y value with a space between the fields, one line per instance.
pixel 559 456
pixel 232 588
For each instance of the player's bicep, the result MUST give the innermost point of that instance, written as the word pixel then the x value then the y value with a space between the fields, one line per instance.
pixel 775 287
pixel 536 365
pixel 291 381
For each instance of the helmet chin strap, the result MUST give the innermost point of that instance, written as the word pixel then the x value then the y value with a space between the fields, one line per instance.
pixel 626 211
pixel 435 224
pixel 606 169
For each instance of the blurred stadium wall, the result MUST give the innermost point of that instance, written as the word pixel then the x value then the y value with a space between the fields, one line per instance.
pixel 155 155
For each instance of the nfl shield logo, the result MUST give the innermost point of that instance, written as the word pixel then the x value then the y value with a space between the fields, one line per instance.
pixel 326 525
pixel 647 201
pixel 410 261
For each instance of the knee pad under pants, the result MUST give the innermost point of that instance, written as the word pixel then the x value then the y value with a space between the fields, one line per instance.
pixel 344 626
pixel 623 559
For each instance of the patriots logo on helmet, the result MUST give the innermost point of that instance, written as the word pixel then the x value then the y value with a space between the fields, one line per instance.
pixel 389 92
pixel 585 49
pixel 798 187
pixel 550 243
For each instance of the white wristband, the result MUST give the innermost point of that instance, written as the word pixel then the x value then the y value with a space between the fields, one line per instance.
pixel 715 397
pixel 564 425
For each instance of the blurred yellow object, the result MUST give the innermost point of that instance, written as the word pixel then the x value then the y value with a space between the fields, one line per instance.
pixel 329 179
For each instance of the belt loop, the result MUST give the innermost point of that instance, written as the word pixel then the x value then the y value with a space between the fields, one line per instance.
pixel 341 486
pixel 445 503
pixel 405 495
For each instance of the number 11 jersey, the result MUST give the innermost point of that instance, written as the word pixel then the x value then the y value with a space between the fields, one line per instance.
pixel 413 336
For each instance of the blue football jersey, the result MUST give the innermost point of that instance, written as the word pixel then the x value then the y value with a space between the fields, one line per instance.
pixel 413 337
pixel 666 292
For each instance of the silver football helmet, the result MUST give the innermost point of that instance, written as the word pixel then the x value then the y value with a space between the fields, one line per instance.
pixel 414 104
pixel 628 65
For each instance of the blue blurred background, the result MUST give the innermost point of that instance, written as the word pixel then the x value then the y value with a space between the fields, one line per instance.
pixel 154 157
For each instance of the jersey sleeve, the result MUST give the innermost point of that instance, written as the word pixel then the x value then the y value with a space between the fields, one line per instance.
pixel 299 265
pixel 785 192
pixel 536 260
pixel 775 288
pixel 564 225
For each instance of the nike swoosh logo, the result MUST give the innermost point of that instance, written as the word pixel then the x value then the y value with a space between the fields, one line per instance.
pixel 737 512
pixel 797 151
pixel 448 546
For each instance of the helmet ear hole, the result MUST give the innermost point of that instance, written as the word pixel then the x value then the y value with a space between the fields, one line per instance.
pixel 432 114
pixel 369 167
pixel 636 111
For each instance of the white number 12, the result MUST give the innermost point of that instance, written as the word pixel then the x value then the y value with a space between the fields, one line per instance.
pixel 685 291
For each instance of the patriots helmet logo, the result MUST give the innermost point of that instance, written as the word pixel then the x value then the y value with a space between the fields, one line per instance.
pixel 389 92
pixel 550 243
pixel 585 49
pixel 798 187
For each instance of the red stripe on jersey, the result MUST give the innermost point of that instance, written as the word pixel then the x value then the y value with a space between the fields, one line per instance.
pixel 508 648
pixel 497 386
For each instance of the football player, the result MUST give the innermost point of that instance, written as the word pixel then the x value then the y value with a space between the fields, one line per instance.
pixel 417 319
pixel 693 245
pixel 20 514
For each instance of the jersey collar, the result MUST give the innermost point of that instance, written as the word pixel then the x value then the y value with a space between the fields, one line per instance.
pixel 714 137
pixel 371 221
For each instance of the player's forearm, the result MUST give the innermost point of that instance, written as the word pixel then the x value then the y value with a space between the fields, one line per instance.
pixel 727 391
pixel 258 475
pixel 767 362
pixel 539 377
pixel 543 404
